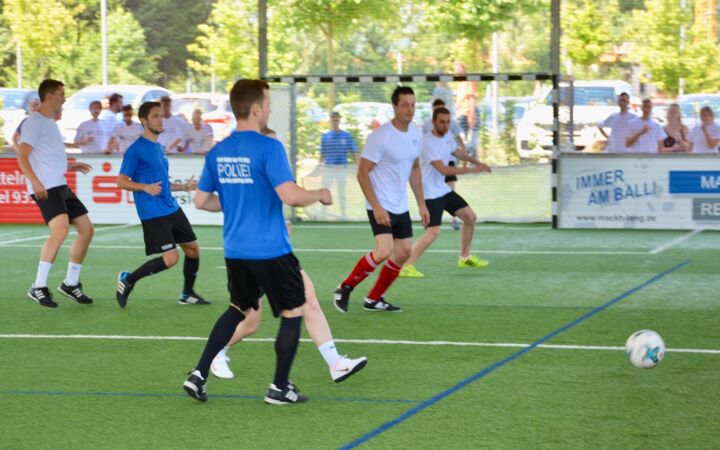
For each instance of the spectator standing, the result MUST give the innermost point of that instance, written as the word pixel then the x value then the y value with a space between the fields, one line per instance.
pixel 468 113
pixel 678 135
pixel 126 132
pixel 174 129
pixel 90 134
pixel 336 146
pixel 199 135
pixel 644 134
pixel 705 137
pixel 618 123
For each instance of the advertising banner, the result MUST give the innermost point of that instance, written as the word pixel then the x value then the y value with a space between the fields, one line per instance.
pixel 648 191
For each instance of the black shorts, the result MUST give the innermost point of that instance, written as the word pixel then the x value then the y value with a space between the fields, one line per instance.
pixel 162 233
pixel 279 278
pixel 60 200
pixel 449 178
pixel 449 202
pixel 400 225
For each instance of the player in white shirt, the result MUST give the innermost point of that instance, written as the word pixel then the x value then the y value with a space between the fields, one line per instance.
pixel 43 161
pixel 199 135
pixel 91 135
pixel 618 124
pixel 389 161
pixel 705 137
pixel 644 134
pixel 126 132
pixel 174 129
pixel 438 147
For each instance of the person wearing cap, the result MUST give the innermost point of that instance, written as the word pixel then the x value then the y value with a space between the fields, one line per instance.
pixel 336 147
pixel 173 135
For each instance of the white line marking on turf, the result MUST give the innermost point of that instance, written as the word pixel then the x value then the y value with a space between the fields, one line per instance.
pixel 351 341
pixel 365 250
pixel 418 227
pixel 674 242
pixel 45 236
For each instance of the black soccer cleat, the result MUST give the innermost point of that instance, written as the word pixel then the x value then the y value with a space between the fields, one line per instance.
pixel 192 298
pixel 285 396
pixel 380 305
pixel 123 289
pixel 42 296
pixel 195 386
pixel 75 292
pixel 341 297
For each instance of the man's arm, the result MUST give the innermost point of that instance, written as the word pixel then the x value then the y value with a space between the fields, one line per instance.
pixel 189 185
pixel 632 139
pixel 124 182
pixel 366 166
pixel 27 170
pixel 207 201
pixel 465 156
pixel 293 195
pixel 602 131
pixel 416 186
pixel 711 141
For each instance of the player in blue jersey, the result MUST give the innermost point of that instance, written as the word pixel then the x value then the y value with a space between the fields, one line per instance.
pixel 247 176
pixel 144 172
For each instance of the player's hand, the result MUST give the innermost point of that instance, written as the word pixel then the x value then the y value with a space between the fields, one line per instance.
pixel 424 216
pixel 381 216
pixel 81 167
pixel 191 184
pixel 325 197
pixel 645 129
pixel 90 139
pixel 39 190
pixel 481 168
pixel 153 189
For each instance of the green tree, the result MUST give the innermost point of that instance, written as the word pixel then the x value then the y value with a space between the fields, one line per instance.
pixel 701 58
pixel 586 32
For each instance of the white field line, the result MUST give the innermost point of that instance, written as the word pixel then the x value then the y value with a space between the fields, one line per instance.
pixel 418 227
pixel 45 236
pixel 365 250
pixel 674 242
pixel 351 341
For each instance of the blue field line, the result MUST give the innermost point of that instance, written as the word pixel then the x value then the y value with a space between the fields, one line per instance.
pixel 492 367
pixel 225 396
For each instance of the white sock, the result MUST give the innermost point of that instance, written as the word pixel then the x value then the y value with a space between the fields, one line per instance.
pixel 73 274
pixel 329 353
pixel 42 274
pixel 222 353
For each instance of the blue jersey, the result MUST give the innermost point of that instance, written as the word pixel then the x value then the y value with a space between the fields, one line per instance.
pixel 145 162
pixel 335 146
pixel 244 169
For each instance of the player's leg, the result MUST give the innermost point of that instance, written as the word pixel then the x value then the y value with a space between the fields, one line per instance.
pixel 184 235
pixel 451 181
pixel 366 264
pixel 402 247
pixel 71 286
pixel 247 327
pixel 59 228
pixel 435 207
pixel 458 207
pixel 340 182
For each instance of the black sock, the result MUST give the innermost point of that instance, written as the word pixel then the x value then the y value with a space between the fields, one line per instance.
pixel 219 338
pixel 286 345
pixel 153 266
pixel 190 271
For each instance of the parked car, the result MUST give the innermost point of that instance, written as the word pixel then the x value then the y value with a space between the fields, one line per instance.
pixel 14 106
pixel 75 110
pixel 216 111
pixel 691 104
pixel 593 102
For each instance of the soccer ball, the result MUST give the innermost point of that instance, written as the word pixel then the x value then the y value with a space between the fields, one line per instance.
pixel 645 349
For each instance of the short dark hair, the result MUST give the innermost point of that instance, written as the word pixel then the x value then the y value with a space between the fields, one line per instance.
pixel 708 110
pixel 48 87
pixel 165 99
pixel 400 90
pixel 95 102
pixel 646 100
pixel 114 98
pixel 145 108
pixel 127 108
pixel 440 110
pixel 246 93
pixel 624 94
pixel 438 102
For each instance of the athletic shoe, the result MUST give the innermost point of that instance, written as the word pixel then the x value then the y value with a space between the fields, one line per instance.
pixel 123 290
pixel 75 293
pixel 192 298
pixel 410 272
pixel 42 296
pixel 342 297
pixel 195 386
pixel 285 396
pixel 472 262
pixel 380 305
pixel 219 367
pixel 346 367
pixel 455 225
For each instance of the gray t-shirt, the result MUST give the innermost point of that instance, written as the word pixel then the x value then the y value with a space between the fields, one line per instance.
pixel 48 158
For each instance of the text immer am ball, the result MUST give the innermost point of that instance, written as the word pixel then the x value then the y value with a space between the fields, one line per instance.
pixel 645 349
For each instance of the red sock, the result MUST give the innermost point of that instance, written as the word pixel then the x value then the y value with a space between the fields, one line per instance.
pixel 362 269
pixel 388 274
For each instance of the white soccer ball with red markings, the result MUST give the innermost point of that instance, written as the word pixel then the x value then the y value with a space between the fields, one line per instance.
pixel 645 349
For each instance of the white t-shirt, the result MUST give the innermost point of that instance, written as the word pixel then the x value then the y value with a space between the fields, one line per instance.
pixel 48 158
pixel 618 124
pixel 394 153
pixel 697 137
pixel 647 142
pixel 92 128
pixel 174 127
pixel 435 148
pixel 199 141
pixel 127 134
